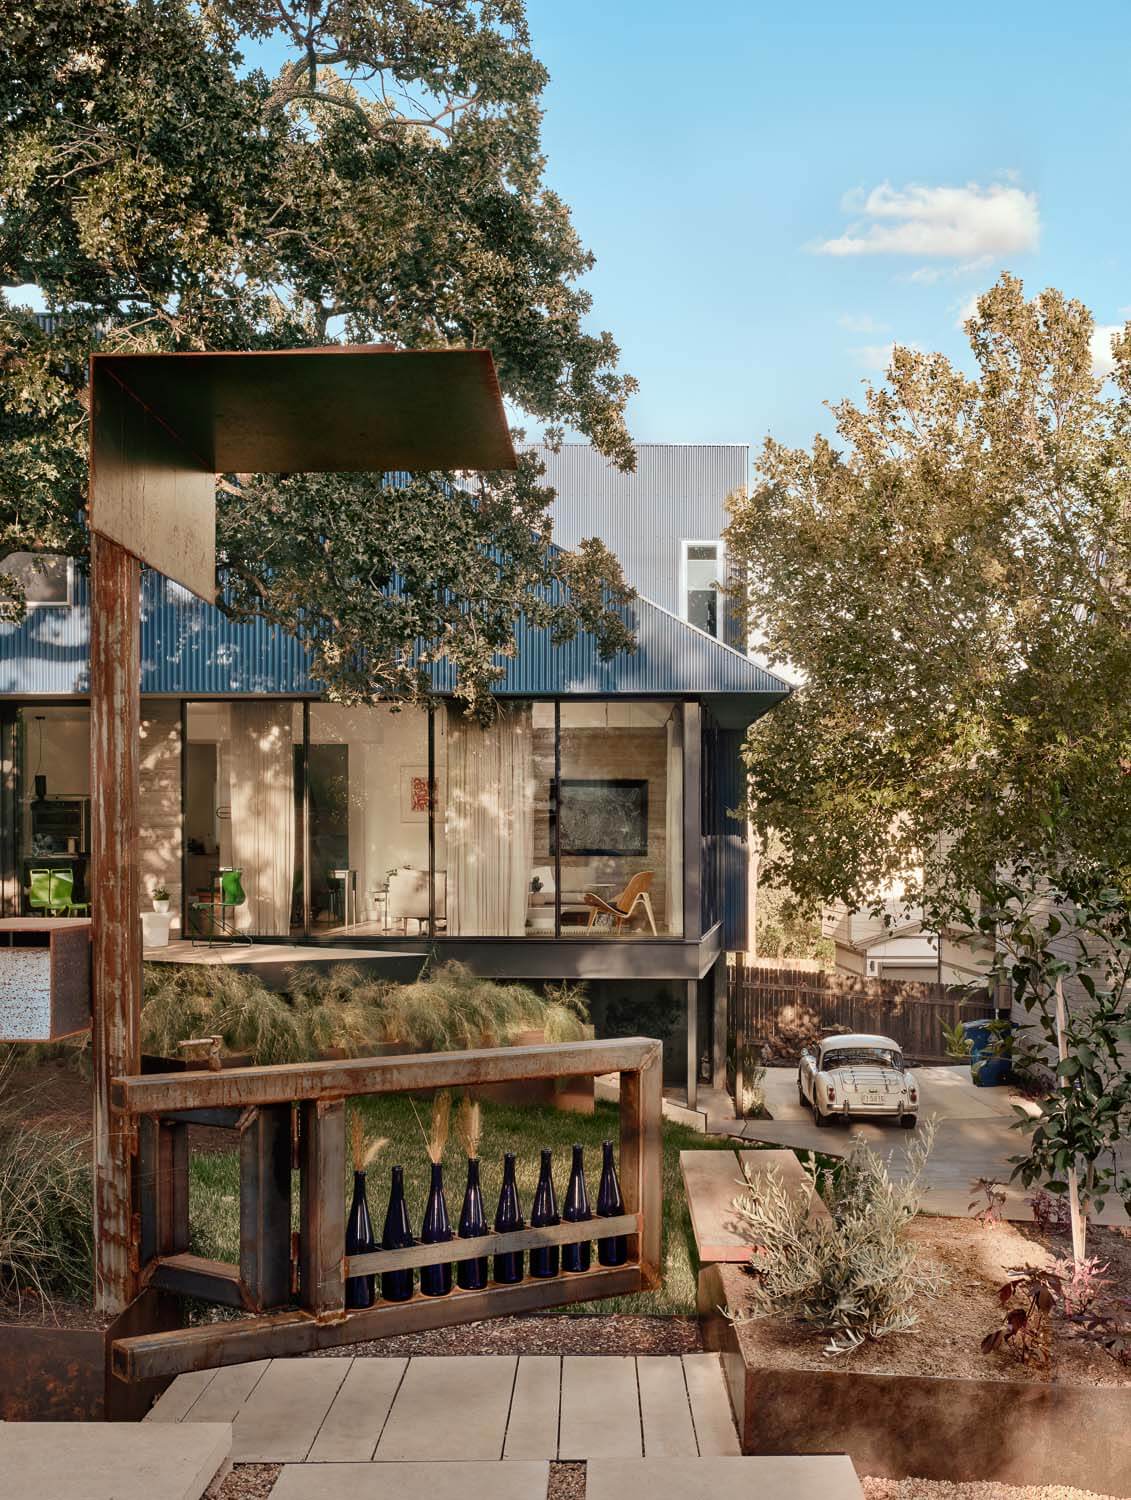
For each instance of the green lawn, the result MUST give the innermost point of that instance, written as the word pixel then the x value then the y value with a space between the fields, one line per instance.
pixel 214 1181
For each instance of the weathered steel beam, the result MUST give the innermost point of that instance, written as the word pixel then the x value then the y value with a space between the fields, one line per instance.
pixel 158 1093
pixel 378 1261
pixel 285 1333
pixel 322 1224
pixel 265 1206
pixel 115 732
pixel 641 1160
pixel 197 1276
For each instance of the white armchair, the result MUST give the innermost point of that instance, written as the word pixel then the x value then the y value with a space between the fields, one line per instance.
pixel 408 898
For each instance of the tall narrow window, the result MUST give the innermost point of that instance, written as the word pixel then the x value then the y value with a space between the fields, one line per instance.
pixel 701 573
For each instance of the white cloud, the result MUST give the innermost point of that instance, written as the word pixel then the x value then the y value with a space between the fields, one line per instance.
pixel 878 356
pixel 861 323
pixel 1103 360
pixel 966 311
pixel 967 224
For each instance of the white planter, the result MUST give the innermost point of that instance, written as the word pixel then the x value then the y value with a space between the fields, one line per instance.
pixel 161 906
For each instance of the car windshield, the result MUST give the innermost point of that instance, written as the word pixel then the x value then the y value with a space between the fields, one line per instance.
pixel 861 1057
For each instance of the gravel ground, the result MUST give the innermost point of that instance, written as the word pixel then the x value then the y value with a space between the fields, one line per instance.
pixel 567 1482
pixel 249 1482
pixel 940 1489
pixel 552 1334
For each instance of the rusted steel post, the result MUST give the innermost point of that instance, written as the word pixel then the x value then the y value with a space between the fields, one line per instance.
pixel 641 1158
pixel 115 731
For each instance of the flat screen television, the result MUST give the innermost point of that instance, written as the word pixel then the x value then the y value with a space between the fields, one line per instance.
pixel 608 816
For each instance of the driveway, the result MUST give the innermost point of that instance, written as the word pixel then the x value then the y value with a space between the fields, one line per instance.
pixel 973 1138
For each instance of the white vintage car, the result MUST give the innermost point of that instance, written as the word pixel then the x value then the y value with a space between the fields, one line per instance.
pixel 857 1075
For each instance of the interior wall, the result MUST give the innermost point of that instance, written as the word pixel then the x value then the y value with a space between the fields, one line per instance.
pixel 159 805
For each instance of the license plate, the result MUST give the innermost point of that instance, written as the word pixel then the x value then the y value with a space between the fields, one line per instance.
pixel 872 1097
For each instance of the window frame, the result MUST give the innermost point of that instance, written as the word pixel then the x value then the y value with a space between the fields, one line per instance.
pixel 686 543
pixel 68 602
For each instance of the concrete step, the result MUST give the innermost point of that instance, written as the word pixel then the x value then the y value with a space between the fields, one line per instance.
pixel 112 1460
pixel 454 1480
pixel 816 1477
pixel 467 1407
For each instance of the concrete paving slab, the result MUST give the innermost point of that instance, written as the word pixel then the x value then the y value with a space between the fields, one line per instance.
pixel 532 1430
pixel 280 1419
pixel 352 1426
pixel 715 1433
pixel 226 1392
pixel 600 1408
pixel 665 1412
pixel 815 1477
pixel 414 1481
pixel 111 1460
pixel 451 1406
pixel 175 1400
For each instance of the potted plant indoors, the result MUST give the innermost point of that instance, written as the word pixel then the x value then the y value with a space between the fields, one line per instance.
pixel 161 898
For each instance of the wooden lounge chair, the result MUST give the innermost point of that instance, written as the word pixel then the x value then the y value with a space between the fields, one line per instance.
pixel 622 908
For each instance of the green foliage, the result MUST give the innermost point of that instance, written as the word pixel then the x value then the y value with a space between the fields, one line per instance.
pixel 1066 925
pixel 387 186
pixel 950 580
pixel 345 1011
pixel 46 1196
pixel 854 1275
pixel 958 1044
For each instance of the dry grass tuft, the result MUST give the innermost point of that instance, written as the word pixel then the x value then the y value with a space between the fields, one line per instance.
pixel 469 1125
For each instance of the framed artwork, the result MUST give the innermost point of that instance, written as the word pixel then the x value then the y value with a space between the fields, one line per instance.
pixel 418 794
pixel 600 817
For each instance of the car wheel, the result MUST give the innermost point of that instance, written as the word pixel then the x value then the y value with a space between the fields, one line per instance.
pixel 909 1122
pixel 819 1119
pixel 801 1099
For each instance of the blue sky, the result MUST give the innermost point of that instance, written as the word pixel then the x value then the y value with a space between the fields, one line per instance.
pixel 708 150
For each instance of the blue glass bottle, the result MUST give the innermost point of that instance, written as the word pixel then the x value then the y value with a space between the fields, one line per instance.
pixel 576 1210
pixel 396 1286
pixel 610 1205
pixel 471 1275
pixel 436 1281
pixel 544 1260
pixel 508 1217
pixel 360 1240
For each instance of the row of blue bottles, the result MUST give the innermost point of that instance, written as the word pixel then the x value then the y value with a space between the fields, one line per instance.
pixel 472 1274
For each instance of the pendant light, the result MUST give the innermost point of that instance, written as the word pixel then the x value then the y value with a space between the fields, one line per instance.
pixel 40 778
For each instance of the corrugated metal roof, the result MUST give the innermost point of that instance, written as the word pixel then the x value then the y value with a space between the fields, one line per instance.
pixel 192 648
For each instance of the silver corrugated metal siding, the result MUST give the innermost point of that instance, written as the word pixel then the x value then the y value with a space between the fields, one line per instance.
pixel 677 492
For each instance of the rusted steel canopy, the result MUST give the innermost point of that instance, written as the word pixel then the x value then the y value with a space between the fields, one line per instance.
pixel 341 410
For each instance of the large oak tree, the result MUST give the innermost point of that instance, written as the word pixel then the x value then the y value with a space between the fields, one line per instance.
pixel 385 183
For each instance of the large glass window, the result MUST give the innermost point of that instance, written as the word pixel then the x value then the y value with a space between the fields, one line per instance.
pixel 617 834
pixel 242 818
pixel 52 810
pixel 370 794
pixel 493 840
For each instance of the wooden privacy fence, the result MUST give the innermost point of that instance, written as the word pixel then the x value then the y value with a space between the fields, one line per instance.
pixel 292 1289
pixel 783 1005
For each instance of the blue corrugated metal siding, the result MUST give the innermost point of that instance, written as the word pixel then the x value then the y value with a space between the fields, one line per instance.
pixel 191 648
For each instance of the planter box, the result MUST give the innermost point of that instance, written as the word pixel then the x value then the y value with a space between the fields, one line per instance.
pixel 53 1374
pixel 928 1427
pixel 44 978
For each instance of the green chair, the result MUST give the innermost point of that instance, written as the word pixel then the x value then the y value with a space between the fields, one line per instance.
pixel 227 895
pixel 53 890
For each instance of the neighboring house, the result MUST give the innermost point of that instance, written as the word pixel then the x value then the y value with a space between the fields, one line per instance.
pixel 894 945
pixel 413 830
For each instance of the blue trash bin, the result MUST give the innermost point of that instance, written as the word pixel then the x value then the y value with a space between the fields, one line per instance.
pixel 989 1067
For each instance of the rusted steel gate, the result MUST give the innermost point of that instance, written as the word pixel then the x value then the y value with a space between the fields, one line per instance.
pixel 296 1114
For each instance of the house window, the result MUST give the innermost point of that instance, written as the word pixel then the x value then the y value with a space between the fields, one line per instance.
pixel 44 577
pixel 701 574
